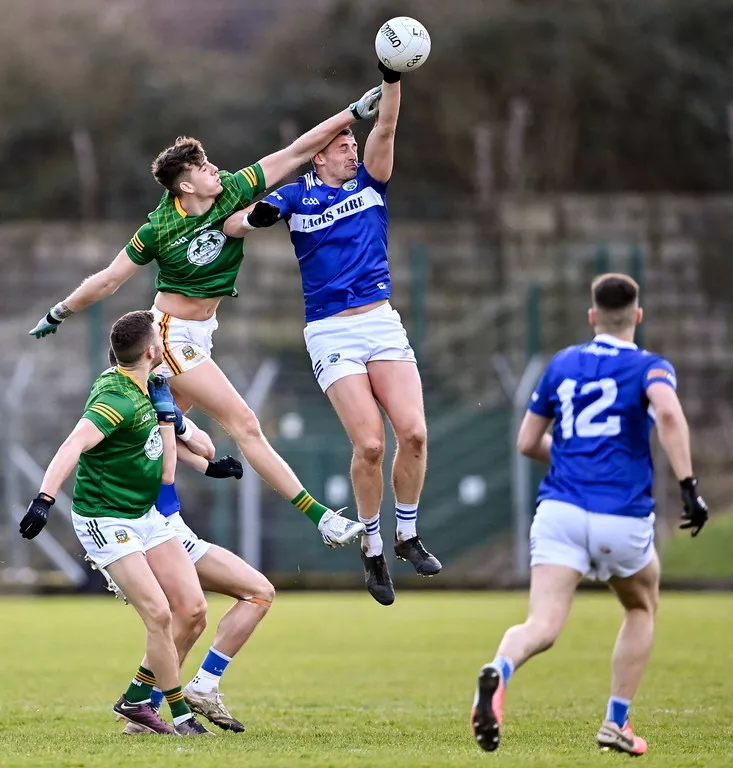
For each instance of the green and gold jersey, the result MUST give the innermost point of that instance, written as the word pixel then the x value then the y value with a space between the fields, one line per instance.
pixel 195 258
pixel 120 476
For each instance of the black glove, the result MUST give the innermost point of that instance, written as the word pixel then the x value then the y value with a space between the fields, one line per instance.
pixel 264 214
pixel 389 75
pixel 696 510
pixel 227 466
pixel 35 519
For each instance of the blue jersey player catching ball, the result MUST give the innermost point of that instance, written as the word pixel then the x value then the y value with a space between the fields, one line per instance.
pixel 362 359
pixel 595 512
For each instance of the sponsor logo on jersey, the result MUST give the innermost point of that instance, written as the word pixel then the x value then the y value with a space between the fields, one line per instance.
pixel 311 201
pixel 334 358
pixel 350 186
pixel 146 417
pixel 180 241
pixel 357 203
pixel 277 196
pixel 154 444
pixel 188 352
pixel 121 536
pixel 206 247
pixel 382 286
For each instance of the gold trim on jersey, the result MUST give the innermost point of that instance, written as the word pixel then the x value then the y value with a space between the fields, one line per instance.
pixel 168 355
pixel 108 412
pixel 137 243
pixel 132 378
pixel 181 212
pixel 250 174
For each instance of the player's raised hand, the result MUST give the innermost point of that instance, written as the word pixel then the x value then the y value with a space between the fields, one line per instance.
pixel 696 510
pixel 368 105
pixel 35 519
pixel 227 466
pixel 162 399
pixel 46 325
pixel 389 75
pixel 264 214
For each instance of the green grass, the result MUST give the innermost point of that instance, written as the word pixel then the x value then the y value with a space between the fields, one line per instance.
pixel 337 680
pixel 709 555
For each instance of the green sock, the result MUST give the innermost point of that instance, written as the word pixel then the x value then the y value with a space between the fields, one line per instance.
pixel 307 504
pixel 176 702
pixel 141 686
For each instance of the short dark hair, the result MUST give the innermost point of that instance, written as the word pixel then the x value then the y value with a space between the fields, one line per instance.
pixel 111 355
pixel 342 132
pixel 130 336
pixel 173 162
pixel 615 299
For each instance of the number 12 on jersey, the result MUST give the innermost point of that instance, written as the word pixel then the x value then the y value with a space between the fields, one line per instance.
pixel 583 424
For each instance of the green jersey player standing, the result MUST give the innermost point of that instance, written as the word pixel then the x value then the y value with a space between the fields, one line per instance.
pixel 198 265
pixel 118 445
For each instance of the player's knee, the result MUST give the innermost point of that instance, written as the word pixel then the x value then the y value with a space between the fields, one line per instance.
pixel 246 428
pixel 158 617
pixel 370 450
pixel 414 438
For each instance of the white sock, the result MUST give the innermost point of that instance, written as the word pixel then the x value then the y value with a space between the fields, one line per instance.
pixel 406 515
pixel 371 541
pixel 182 718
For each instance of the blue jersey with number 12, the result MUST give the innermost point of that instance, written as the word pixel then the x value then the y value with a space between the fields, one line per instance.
pixel 601 455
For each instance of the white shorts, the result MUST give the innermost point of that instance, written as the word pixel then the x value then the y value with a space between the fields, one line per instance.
pixel 107 539
pixel 186 343
pixel 598 546
pixel 195 546
pixel 342 346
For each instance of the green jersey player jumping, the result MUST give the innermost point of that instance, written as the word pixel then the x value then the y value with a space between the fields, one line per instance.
pixel 197 266
pixel 118 445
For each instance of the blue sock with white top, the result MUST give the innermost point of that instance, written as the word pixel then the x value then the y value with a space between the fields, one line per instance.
pixel 618 710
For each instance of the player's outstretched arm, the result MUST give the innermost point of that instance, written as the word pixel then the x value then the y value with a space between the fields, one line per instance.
pixel 261 214
pixel 379 148
pixel 278 165
pixel 227 466
pixel 532 439
pixel 674 436
pixel 95 288
pixel 84 436
pixel 195 439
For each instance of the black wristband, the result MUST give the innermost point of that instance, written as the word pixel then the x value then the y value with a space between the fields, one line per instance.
pixel 689 483
pixel 46 499
pixel 51 319
pixel 389 75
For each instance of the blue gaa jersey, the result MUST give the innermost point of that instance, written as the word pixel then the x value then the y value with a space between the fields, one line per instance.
pixel 601 457
pixel 340 239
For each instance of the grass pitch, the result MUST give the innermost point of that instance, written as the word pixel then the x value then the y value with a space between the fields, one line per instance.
pixel 337 680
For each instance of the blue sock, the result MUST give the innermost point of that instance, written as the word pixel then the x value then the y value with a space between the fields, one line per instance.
pixel 618 710
pixel 210 672
pixel 215 662
pixel 505 666
pixel 156 697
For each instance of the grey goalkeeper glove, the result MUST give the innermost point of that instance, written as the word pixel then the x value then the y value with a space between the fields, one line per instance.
pixel 46 325
pixel 368 105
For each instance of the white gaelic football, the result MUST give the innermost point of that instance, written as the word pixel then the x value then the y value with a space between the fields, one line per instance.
pixel 402 44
